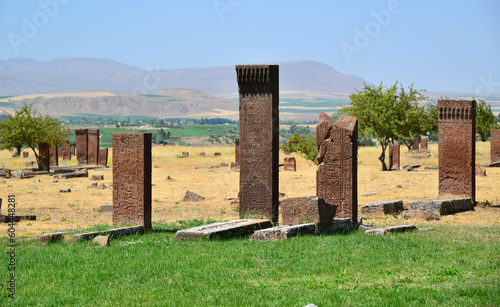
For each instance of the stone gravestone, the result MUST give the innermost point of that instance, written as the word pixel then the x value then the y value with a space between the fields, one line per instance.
pixel 93 146
pixel 53 156
pixel 72 149
pixel 103 157
pixel 258 87
pixel 66 151
pixel 336 177
pixel 290 164
pixel 495 145
pixel 415 143
pixel 236 152
pixel 286 152
pixel 423 144
pixel 132 178
pixel 457 150
pixel 396 160
pixel 81 137
pixel 25 154
pixel 43 153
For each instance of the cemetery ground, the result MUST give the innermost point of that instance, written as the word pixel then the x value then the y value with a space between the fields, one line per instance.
pixel 455 264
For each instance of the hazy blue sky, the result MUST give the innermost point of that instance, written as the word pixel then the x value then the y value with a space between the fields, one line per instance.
pixel 437 45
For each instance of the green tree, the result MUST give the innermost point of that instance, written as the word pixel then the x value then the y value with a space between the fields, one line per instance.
pixel 303 144
pixel 389 114
pixel 485 120
pixel 27 129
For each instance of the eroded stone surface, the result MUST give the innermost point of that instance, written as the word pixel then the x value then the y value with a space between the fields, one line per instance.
pixel 290 164
pixel 283 232
pixel 336 177
pixel 191 196
pixel 423 144
pixel 117 232
pixel 427 215
pixel 102 240
pixel 93 146
pixel 337 226
pixel 386 230
pixel 81 137
pixel 444 206
pixel 223 230
pixel 382 207
pixel 132 178
pixel 479 170
pixel 495 145
pixel 457 150
pixel 258 87
pixel 301 210
pixel 395 150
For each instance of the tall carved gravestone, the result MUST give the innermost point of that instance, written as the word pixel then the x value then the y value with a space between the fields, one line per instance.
pixel 457 150
pixel 337 174
pixel 396 160
pixel 103 157
pixel 66 151
pixel 423 144
pixel 495 145
pixel 54 156
pixel 93 146
pixel 258 87
pixel 415 143
pixel 132 178
pixel 72 149
pixel 81 137
pixel 43 153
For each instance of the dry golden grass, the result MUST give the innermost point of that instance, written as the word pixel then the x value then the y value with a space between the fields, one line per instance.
pixel 79 209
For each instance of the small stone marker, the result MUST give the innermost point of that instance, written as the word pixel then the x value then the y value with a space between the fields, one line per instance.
pixel 51 237
pixel 427 215
pixel 290 164
pixel 495 145
pixel 18 174
pixel 185 154
pixel 301 210
pixel 382 207
pixel 65 190
pixel 53 156
pixel 25 154
pixel 102 240
pixel 283 232
pixel 223 164
pixel 191 196
pixel 444 206
pixel 97 177
pixel 223 230
pixel 202 154
pixel 384 231
pixel 217 154
pixel 105 208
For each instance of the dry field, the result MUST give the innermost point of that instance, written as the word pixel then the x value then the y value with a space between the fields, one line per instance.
pixel 79 209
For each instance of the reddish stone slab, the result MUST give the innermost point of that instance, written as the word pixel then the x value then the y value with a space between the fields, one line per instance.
pixel 290 164
pixel 132 178
pixel 336 177
pixel 258 87
pixel 415 143
pixel 396 156
pixel 93 146
pixel 301 210
pixel 479 170
pixel 423 144
pixel 25 154
pixel 495 145
pixel 53 156
pixel 43 153
pixel 457 148
pixel 81 137
pixel 72 149
pixel 237 156
pixel 103 156
pixel 66 152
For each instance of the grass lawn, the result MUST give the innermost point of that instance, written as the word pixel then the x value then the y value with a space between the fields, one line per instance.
pixel 452 265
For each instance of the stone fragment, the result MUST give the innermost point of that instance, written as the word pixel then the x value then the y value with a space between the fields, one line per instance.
pixel 427 215
pixel 52 237
pixel 97 177
pixel 185 154
pixel 395 151
pixel 290 164
pixel 302 210
pixel 457 147
pixel 132 168
pixel 117 232
pixel 223 230
pixel 105 208
pixel 341 225
pixel 16 218
pixel 217 154
pixel 191 196
pixel 387 230
pixel 102 240
pixel 18 174
pixel 444 206
pixel 480 171
pixel 3 181
pixel 283 232
pixel 223 164
pixel 491 164
pixel 382 207
pixel 36 180
pixel 25 154
pixel 202 154
pixel 65 190
pixel 258 87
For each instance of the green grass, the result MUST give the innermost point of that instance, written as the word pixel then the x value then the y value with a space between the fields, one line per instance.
pixel 453 266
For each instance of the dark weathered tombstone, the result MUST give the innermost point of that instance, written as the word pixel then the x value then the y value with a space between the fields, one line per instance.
pixel 81 137
pixel 132 178
pixel 415 143
pixel 217 154
pixel 60 151
pixel 66 152
pixel 495 145
pixel 423 144
pixel 301 210
pixel 43 153
pixel 103 157
pixel 396 160
pixel 290 164
pixel 53 156
pixel 25 154
pixel 457 148
pixel 72 147
pixel 185 154
pixel 258 87
pixel 202 154
pixel 93 146
pixel 286 152
pixel 336 177
pixel 236 152
pixel 191 196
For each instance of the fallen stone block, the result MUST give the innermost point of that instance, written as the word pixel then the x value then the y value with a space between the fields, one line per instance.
pixel 52 237
pixel 336 226
pixel 480 171
pixel 191 196
pixel 16 218
pixel 223 230
pixel 102 240
pixel 18 174
pixel 117 232
pixel 105 208
pixel 83 173
pixel 491 164
pixel 283 232
pixel 386 230
pixel 444 206
pixel 302 210
pixel 382 207
pixel 97 177
pixel 427 215
pixel 65 190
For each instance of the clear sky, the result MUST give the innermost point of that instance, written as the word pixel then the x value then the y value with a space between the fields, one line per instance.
pixel 437 45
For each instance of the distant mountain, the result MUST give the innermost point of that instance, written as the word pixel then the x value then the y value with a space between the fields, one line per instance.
pixel 23 76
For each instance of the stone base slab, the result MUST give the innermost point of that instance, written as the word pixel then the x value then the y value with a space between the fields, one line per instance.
pixel 444 206
pixel 223 230
pixel 383 207
pixel 283 232
pixel 386 230
pixel 117 232
pixel 336 226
